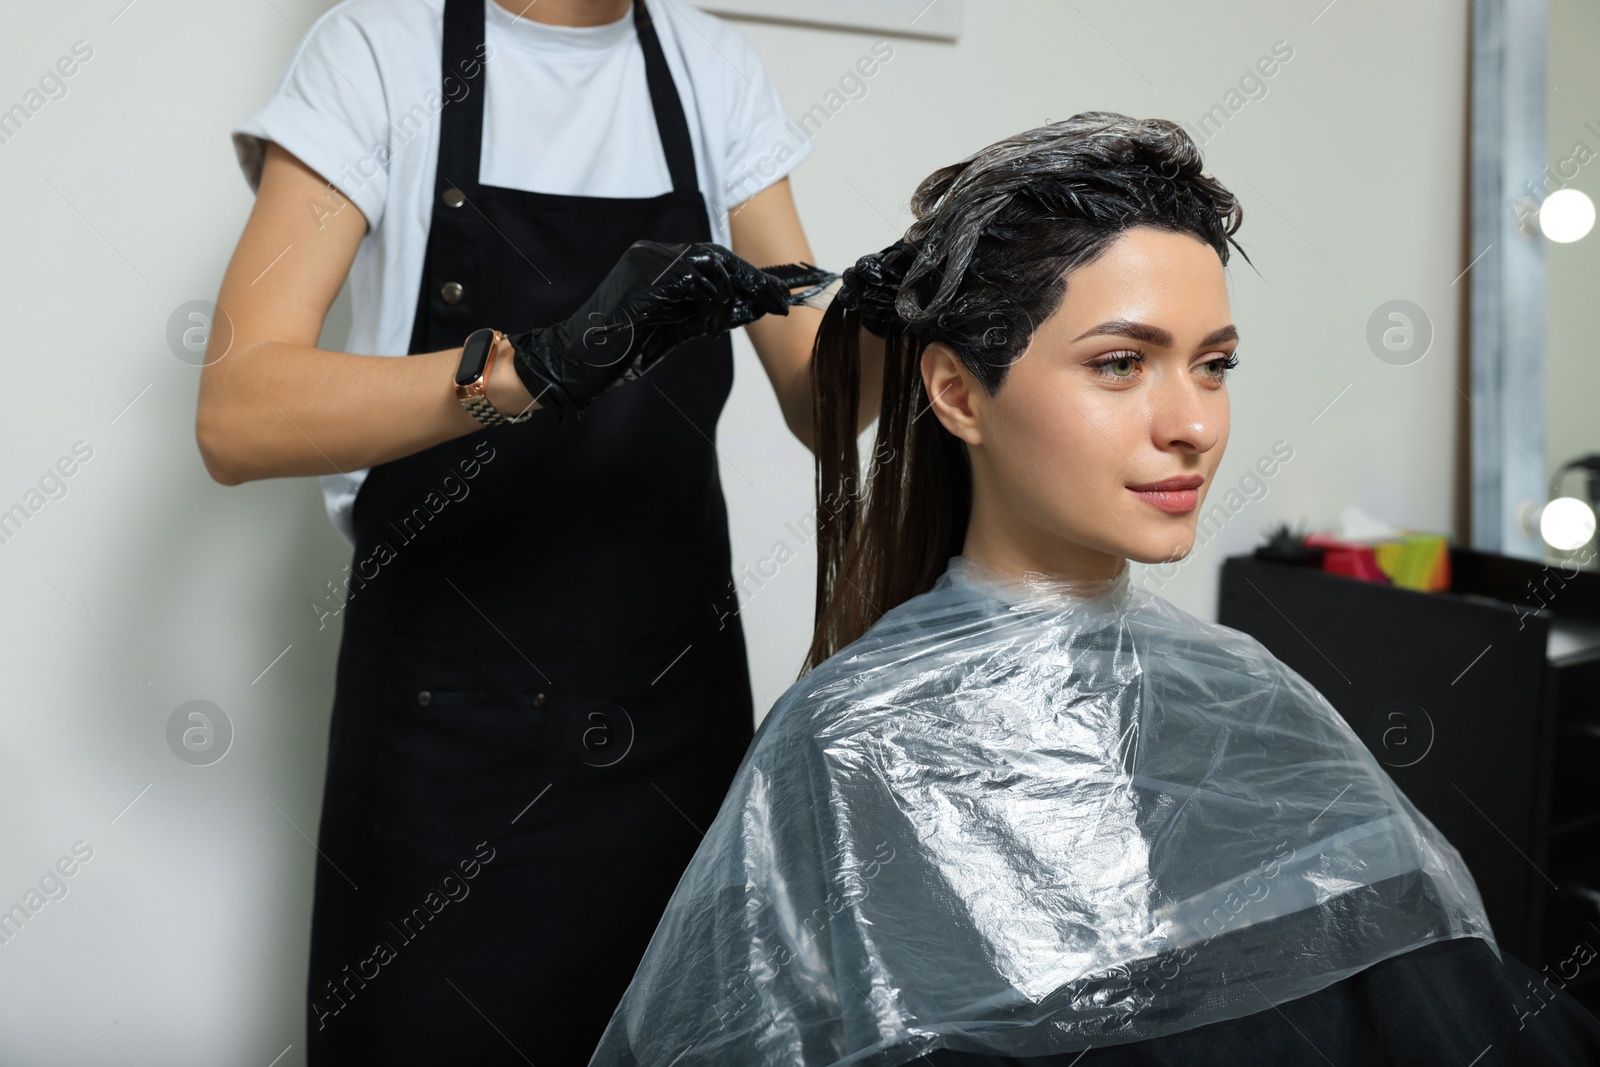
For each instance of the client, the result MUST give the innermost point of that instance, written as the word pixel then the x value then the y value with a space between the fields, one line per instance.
pixel 1016 810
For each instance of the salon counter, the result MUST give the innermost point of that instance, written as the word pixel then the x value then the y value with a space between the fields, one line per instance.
pixel 1483 704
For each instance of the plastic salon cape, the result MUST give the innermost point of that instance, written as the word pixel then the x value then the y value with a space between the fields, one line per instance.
pixel 1024 817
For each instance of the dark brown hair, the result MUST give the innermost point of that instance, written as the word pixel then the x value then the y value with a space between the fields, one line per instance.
pixel 986 260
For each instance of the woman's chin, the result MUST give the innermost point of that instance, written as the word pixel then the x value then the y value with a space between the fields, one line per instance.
pixel 1160 547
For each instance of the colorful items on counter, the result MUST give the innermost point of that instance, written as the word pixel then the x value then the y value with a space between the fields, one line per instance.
pixel 1419 561
pixel 1367 549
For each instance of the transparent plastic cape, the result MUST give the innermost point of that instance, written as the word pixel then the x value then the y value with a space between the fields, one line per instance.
pixel 1028 816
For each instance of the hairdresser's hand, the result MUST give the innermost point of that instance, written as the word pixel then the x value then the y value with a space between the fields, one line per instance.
pixel 657 297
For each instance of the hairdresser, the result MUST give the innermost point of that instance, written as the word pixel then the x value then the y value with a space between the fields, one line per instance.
pixel 542 691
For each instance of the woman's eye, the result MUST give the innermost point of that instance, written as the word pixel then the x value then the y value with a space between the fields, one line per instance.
pixel 1221 366
pixel 1120 365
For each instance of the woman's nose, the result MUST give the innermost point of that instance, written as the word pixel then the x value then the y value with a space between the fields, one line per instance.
pixel 1187 416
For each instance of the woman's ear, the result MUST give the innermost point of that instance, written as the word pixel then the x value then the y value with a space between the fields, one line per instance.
pixel 952 393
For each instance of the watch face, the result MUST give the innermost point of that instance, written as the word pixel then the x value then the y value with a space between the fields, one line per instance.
pixel 473 356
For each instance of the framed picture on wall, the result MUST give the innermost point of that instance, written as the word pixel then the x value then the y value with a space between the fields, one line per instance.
pixel 939 19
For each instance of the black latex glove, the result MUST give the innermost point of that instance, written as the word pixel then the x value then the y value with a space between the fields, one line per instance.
pixel 657 297
pixel 872 287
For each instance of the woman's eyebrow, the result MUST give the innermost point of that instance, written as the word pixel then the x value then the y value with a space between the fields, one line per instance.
pixel 1155 335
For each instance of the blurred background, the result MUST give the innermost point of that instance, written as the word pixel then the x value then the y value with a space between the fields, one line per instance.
pixel 134 584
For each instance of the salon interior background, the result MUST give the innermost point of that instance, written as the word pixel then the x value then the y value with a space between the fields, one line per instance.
pixel 137 585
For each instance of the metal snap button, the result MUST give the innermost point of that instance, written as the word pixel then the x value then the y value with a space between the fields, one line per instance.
pixel 423 696
pixel 539 701
pixel 451 292
pixel 454 198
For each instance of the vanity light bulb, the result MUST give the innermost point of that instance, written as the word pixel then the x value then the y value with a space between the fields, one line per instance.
pixel 1566 215
pixel 1566 523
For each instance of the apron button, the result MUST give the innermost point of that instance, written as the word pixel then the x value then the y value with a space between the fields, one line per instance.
pixel 454 198
pixel 423 696
pixel 539 700
pixel 451 292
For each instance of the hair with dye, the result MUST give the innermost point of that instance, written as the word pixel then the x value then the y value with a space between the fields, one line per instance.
pixel 985 262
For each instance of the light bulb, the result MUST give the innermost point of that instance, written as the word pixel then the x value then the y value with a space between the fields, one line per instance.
pixel 1566 523
pixel 1566 215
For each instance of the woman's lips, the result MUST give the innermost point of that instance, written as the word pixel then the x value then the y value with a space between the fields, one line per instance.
pixel 1172 501
pixel 1174 495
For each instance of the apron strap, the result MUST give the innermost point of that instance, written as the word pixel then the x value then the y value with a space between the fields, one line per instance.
pixel 670 123
pixel 461 123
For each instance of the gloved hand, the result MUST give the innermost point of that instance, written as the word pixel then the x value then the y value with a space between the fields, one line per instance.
pixel 657 297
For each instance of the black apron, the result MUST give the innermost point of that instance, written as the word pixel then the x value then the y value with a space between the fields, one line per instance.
pixel 542 690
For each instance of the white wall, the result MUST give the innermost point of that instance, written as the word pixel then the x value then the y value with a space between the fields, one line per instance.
pixel 182 939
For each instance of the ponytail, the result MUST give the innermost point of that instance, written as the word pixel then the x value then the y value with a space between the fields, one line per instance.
pixel 885 536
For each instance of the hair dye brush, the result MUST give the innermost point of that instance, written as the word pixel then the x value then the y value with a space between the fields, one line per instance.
pixel 819 284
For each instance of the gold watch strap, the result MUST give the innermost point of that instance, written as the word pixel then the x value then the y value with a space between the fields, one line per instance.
pixel 480 408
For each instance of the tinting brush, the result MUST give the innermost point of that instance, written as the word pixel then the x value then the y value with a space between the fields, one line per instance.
pixel 819 283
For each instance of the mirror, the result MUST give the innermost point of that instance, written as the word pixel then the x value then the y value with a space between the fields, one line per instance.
pixel 1535 376
pixel 1572 268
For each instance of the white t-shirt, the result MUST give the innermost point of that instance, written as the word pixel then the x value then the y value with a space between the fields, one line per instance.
pixel 566 110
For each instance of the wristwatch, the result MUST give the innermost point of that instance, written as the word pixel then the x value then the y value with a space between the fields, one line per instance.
pixel 472 379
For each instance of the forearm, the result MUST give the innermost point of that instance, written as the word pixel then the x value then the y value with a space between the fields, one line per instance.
pixel 766 229
pixel 796 400
pixel 271 404
pixel 275 409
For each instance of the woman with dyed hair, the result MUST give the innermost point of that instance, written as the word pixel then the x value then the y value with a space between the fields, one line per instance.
pixel 1015 810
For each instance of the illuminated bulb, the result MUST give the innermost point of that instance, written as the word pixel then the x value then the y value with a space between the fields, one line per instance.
pixel 1566 215
pixel 1566 523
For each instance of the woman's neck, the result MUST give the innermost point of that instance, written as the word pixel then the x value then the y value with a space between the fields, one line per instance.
pixel 1017 551
pixel 568 12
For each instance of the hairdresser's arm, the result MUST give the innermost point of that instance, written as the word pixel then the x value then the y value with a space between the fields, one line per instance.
pixel 271 403
pixel 766 231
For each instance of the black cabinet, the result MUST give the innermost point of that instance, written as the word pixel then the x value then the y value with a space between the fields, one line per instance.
pixel 1484 708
